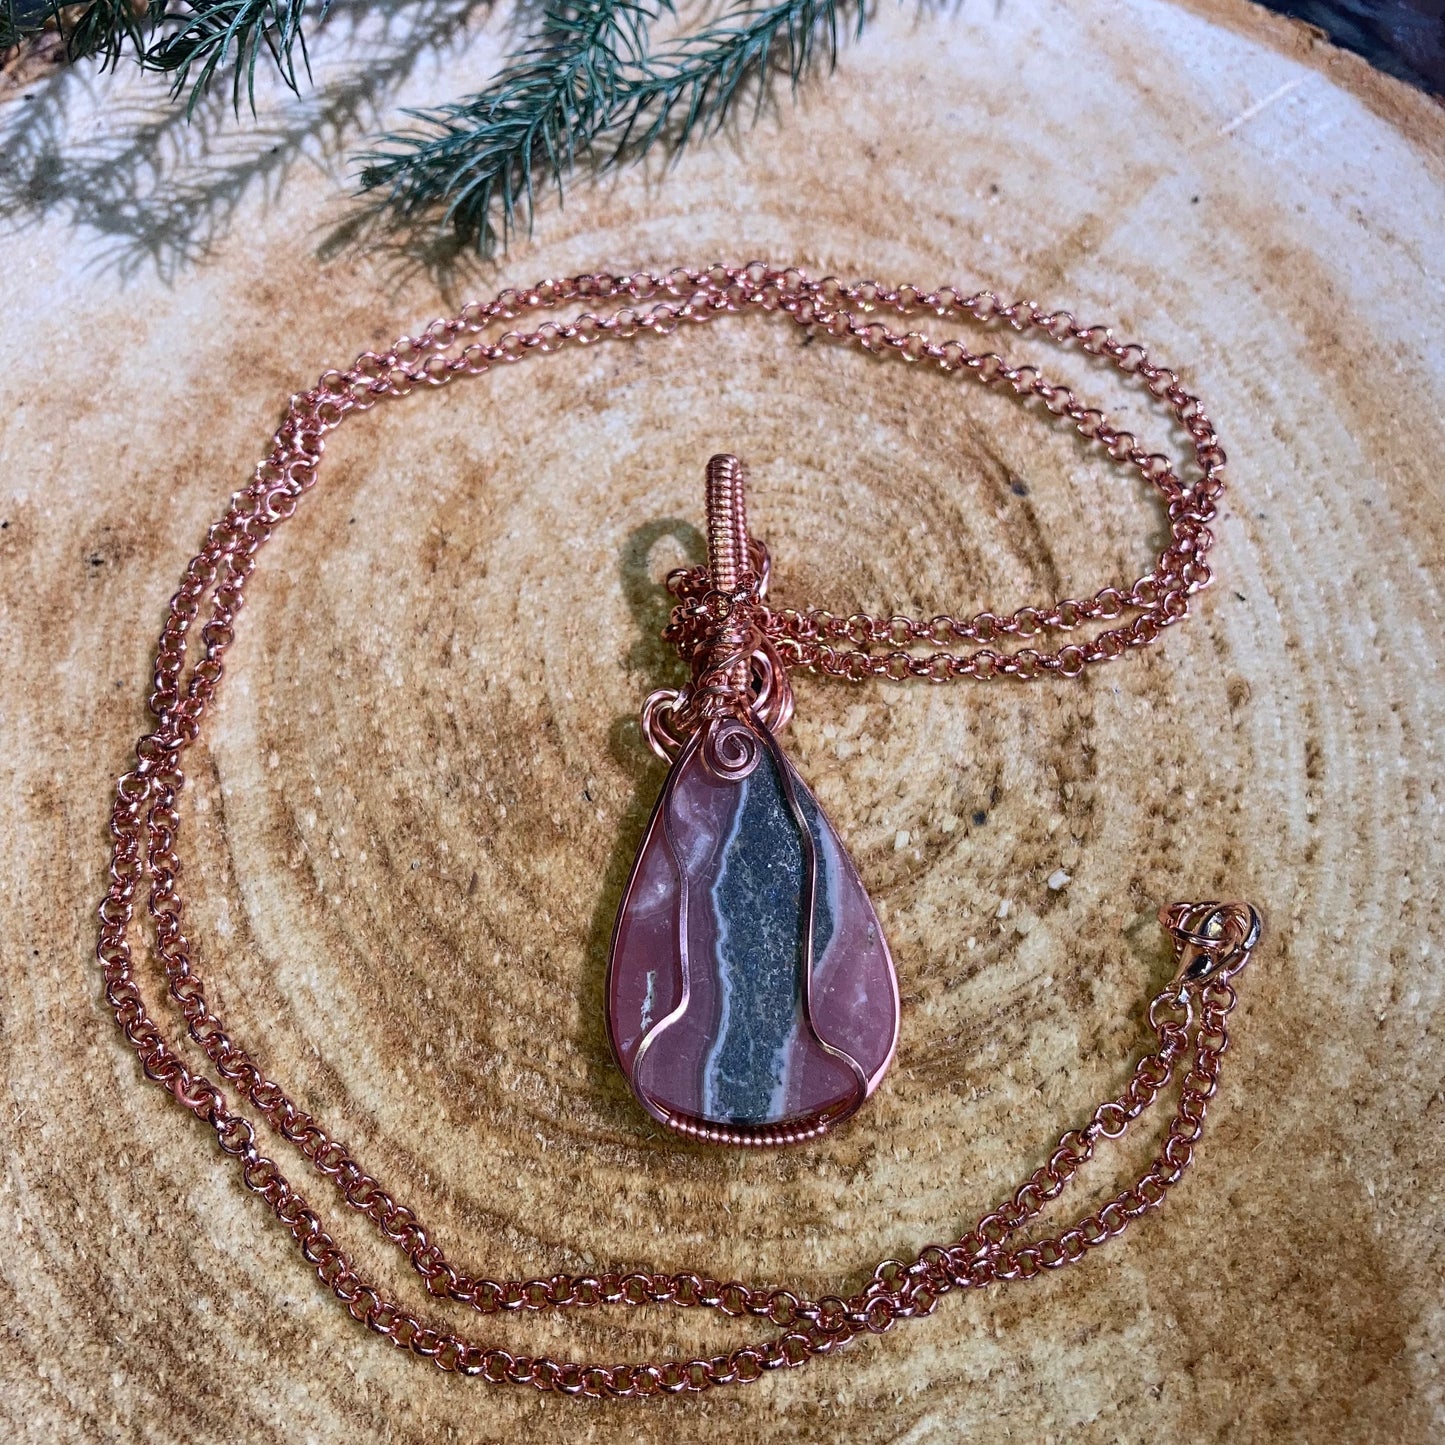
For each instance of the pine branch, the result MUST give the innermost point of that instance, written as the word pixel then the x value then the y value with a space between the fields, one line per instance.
pixel 103 28
pixel 689 90
pixel 204 37
pixel 586 86
pixel 591 81
pixel 213 34
pixel 482 156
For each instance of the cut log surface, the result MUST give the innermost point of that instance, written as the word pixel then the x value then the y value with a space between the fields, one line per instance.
pixel 411 815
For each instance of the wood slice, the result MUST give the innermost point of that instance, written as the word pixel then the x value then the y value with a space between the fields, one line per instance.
pixel 414 808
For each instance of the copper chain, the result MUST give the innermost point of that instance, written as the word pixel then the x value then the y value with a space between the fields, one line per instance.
pixel 1187 1018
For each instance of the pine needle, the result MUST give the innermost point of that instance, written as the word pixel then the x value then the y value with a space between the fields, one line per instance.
pixel 210 35
pixel 481 157
pixel 689 90
pixel 586 86
pixel 200 36
pixel 592 87
pixel 105 28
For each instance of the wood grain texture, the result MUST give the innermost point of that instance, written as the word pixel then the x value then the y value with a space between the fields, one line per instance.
pixel 420 794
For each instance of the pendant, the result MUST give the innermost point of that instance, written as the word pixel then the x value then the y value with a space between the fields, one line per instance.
pixel 751 997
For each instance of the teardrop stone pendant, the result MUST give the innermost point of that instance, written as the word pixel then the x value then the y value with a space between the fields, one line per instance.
pixel 751 997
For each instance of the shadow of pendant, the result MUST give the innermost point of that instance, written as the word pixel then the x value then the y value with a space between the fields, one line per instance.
pixel 751 997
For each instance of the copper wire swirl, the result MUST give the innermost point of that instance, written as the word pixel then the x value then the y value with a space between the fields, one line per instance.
pixel 730 749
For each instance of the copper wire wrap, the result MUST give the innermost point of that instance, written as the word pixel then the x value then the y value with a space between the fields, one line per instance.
pixel 729 567
pixel 727 523
pixel 722 628
pixel 1188 1021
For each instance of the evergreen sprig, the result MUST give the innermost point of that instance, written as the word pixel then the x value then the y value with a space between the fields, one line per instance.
pixel 204 36
pixel 690 89
pixel 481 157
pixel 587 84
pixel 211 35
pixel 105 29
pixel 593 87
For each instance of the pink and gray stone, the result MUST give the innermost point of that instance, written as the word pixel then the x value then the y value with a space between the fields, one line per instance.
pixel 714 1012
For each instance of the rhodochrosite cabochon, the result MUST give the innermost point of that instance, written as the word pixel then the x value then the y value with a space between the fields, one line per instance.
pixel 751 995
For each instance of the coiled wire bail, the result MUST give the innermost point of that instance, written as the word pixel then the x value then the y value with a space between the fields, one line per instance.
pixel 721 628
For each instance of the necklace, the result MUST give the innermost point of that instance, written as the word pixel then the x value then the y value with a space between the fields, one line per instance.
pixel 751 996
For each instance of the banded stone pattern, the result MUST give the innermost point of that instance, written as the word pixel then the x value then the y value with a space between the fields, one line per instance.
pixel 709 1009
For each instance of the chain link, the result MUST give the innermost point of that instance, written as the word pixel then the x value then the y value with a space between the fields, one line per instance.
pixel 145 826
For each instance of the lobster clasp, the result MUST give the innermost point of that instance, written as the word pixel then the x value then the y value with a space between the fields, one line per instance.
pixel 1213 940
